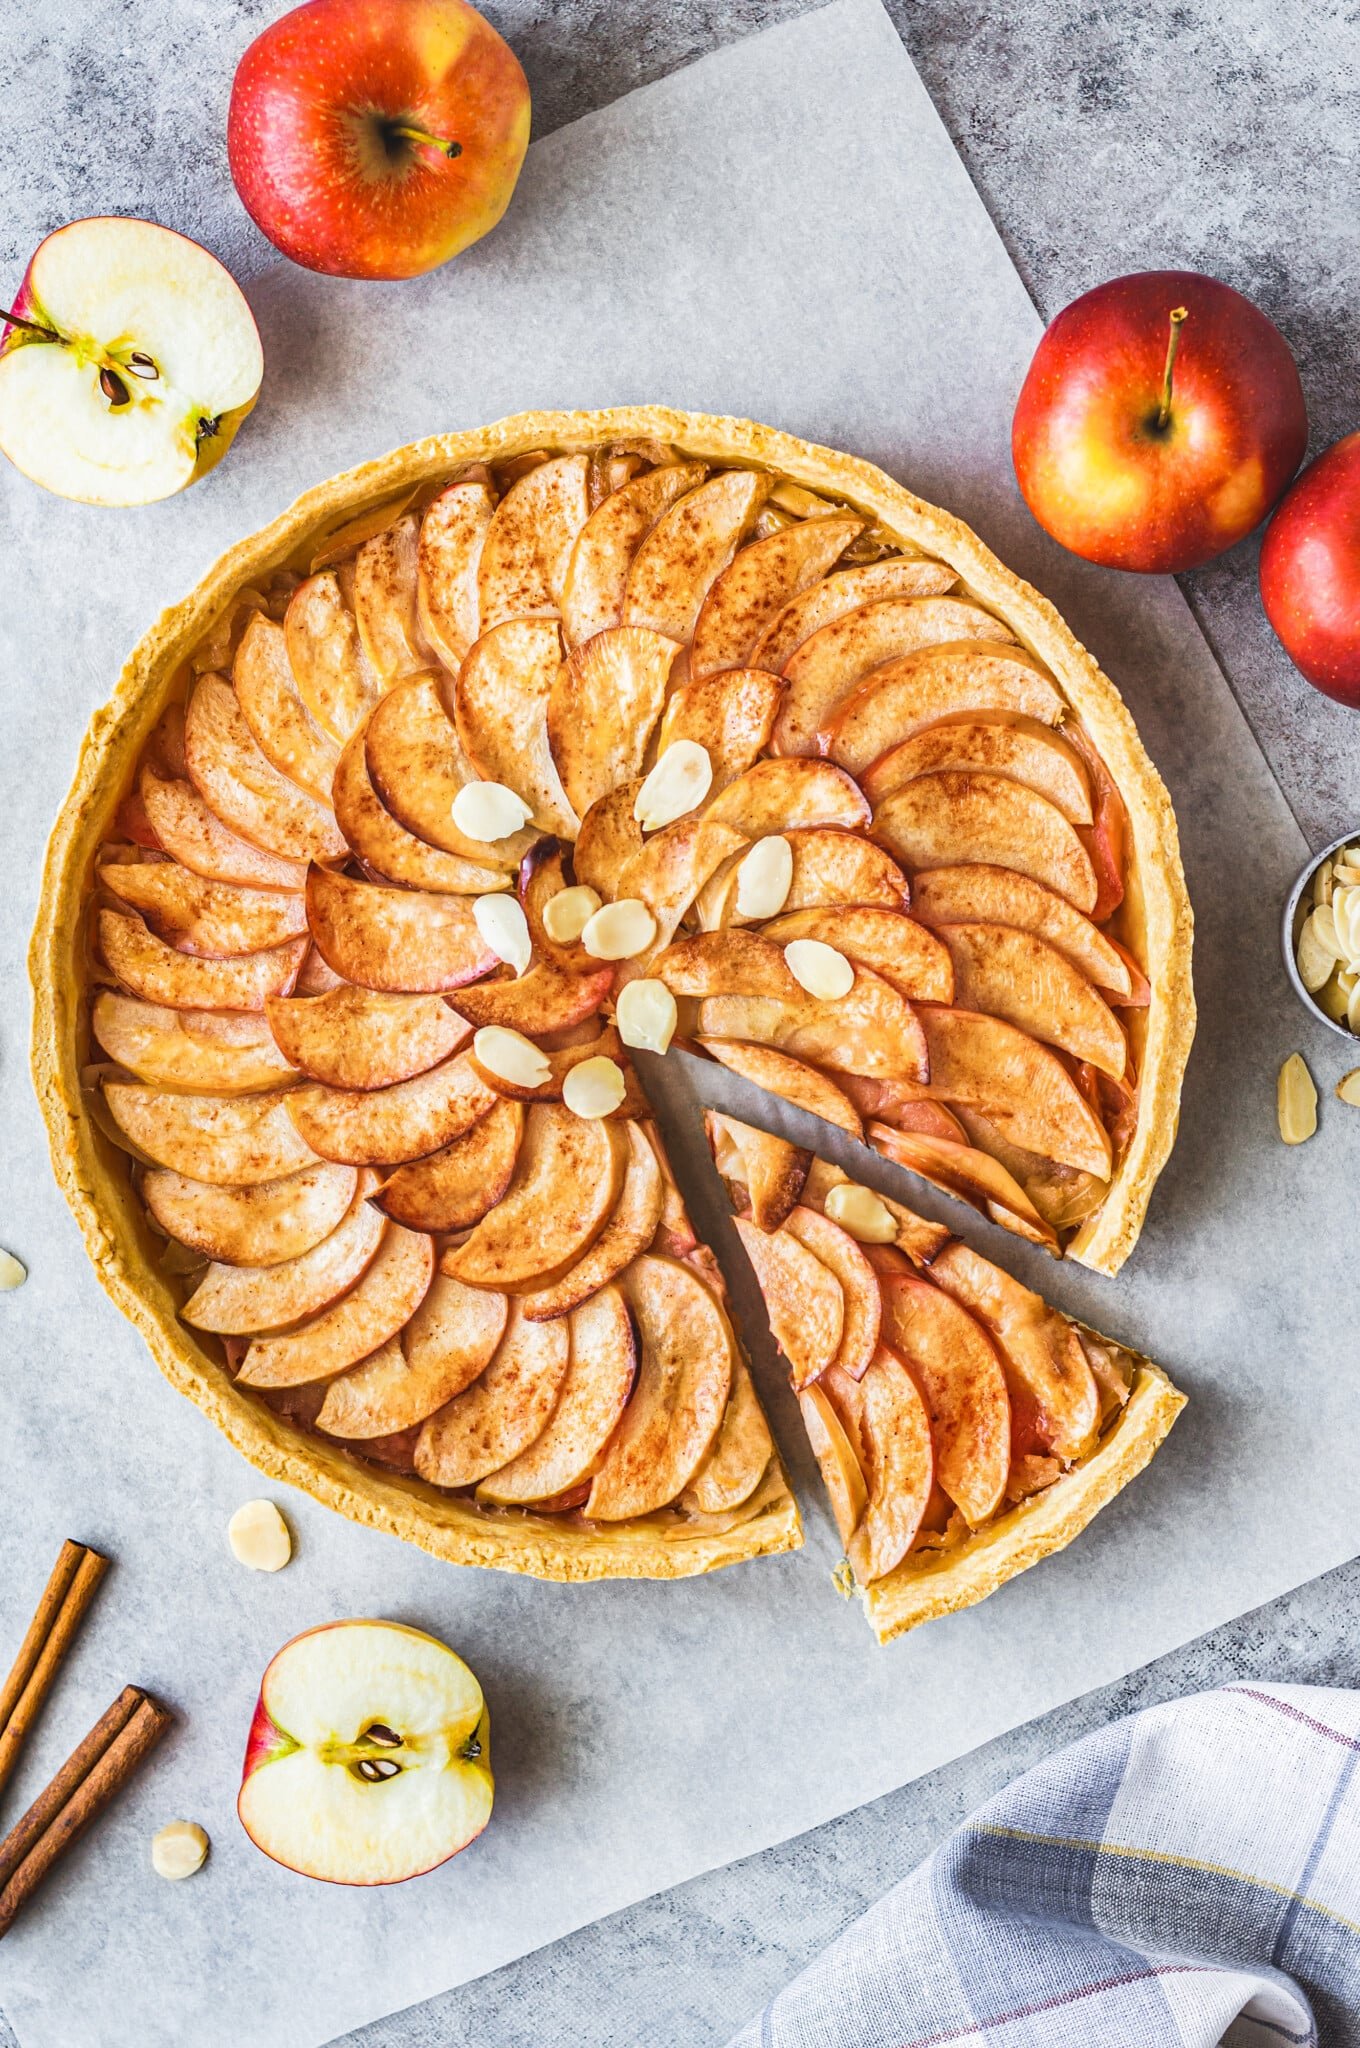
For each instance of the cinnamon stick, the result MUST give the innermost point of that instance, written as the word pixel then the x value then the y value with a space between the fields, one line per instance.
pixel 93 1775
pixel 66 1596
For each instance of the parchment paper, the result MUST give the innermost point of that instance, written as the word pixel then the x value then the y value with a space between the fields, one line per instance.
pixel 782 231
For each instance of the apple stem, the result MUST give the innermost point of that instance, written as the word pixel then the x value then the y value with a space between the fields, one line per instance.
pixel 30 326
pixel 407 133
pixel 1178 316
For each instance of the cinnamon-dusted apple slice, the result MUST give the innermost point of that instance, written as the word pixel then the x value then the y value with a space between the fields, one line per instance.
pixel 669 870
pixel 501 713
pixel 733 963
pixel 686 1352
pixel 523 565
pixel 452 534
pixel 1022 978
pixel 356 1038
pixel 504 1411
pixel 1040 1346
pixel 983 894
pixel 831 662
pixel 230 1141
pixel 315 978
pixel 846 591
pixel 872 1030
pixel 455 1187
pixel 227 1052
pixel 837 1458
pixel 566 1185
pixel 147 967
pixel 604 702
pixel 376 1307
pixel 957 1369
pixel 609 837
pixel 537 1086
pixel 193 835
pixel 543 999
pixel 260 1225
pixel 835 1249
pixel 986 1064
pixel 934 683
pixel 729 714
pixel 448 1343
pixel 240 1301
pixel 804 1300
pixel 542 876
pixel 885 1414
pixel 963 1170
pixel 764 577
pixel 207 919
pixel 791 1079
pixel 284 729
pixel 418 767
pixel 629 1231
pixel 599 1379
pixel 244 789
pixel 908 956
pixel 957 815
pixel 781 795
pixel 772 1169
pixel 397 940
pixel 331 670
pixel 597 572
pixel 740 1456
pixel 368 1127
pixel 677 564
pixel 385 611
pixel 830 866
pixel 999 742
pixel 386 848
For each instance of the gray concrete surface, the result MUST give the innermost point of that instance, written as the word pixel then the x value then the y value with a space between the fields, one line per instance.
pixel 1214 134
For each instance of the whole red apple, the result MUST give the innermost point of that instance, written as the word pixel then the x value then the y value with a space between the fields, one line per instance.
pixel 1310 572
pixel 377 138
pixel 1161 418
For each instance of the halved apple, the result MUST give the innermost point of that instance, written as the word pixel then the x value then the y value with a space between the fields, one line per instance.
pixel 418 767
pixel 1040 1346
pixel 566 1185
pixel 668 872
pixel 261 1225
pixel 193 835
pixel 600 1375
pixel 238 1301
pixel 957 815
pixel 846 591
pixel 395 940
pixel 284 729
pixel 385 609
pixel 629 1231
pixel 835 1249
pixel 369 1758
pixel 686 1352
pixel 885 1414
pixel 243 788
pixel 837 1458
pixel 764 577
pixel 501 713
pixel 1020 977
pixel 229 1052
pixel 503 1411
pixel 543 999
pixel 772 1170
pixel 452 535
pixel 740 1456
pixel 387 849
pixel 963 1170
pixel 804 1300
pixel 597 572
pixel 158 974
pixel 376 1307
pixel 830 866
pixel 609 837
pixel 523 564
pixel 907 956
pixel 960 1375
pixel 729 714
pixel 791 1079
pixel 373 1126
pixel 831 662
pixel 208 919
pixel 329 666
pixel 230 1141
pixel 986 1064
pixel 448 1343
pixel 998 742
pixel 455 1187
pixel 781 795
pixel 357 1038
pixel 603 704
pixel 676 565
pixel 977 893
pixel 969 675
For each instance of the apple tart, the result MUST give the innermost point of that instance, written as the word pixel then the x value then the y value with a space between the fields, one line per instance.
pixel 487 763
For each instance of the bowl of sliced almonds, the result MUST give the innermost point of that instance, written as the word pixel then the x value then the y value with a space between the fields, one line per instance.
pixel 1322 935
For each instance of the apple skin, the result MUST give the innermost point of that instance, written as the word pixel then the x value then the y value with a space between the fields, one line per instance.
pixel 1310 572
pixel 311 133
pixel 1095 465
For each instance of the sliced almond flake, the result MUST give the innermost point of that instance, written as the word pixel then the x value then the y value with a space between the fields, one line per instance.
pixel 13 1272
pixel 1323 884
pixel 1353 1008
pixel 1348 1088
pixel 1316 958
pixel 1296 1101
pixel 1323 922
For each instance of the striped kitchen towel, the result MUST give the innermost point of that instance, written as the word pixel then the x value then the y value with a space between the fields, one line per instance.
pixel 1186 1877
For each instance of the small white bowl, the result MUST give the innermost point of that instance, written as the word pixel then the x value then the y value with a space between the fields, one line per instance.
pixel 1298 907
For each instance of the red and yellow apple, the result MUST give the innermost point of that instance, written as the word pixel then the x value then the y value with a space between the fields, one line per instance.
pixel 1310 572
pixel 369 1758
pixel 1159 421
pixel 377 138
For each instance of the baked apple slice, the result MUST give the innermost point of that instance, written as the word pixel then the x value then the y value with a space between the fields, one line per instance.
pixel 984 894
pixel 448 1343
pixel 566 1185
pixel 329 666
pixel 409 1120
pixel 240 1301
pixel 885 1418
pixel 227 1052
pixel 523 566
pixel 872 1030
pixel 503 1411
pixel 603 705
pixel 729 714
pixel 609 837
pixel 358 1038
pixel 380 1303
pixel 629 1231
pixel 385 608
pixel 600 1373
pixel 1020 977
pixel 837 1458
pixel 418 767
pixel 772 1169
pixel 846 591
pixel 835 1249
pixel 597 572
pixel 830 866
pixel 452 535
pixel 962 1170
pixel 243 788
pixel 229 1141
pixel 958 1371
pixel 394 940
pixel 958 815
pixel 454 1188
pixel 668 871
pixel 971 675
pixel 986 1064
pixel 764 577
pixel 260 1225
pixel 385 846
pixel 148 968
pixel 791 1079
pixel 501 713
pixel 999 743
pixel 781 795
pixel 804 1300
pixel 677 564
pixel 910 958
pixel 208 919
pixel 542 999
pixel 184 827
pixel 728 963
pixel 740 1456
pixel 284 729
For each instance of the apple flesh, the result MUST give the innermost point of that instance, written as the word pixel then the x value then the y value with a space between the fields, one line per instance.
pixel 1159 421
pixel 377 138
pixel 369 1758
pixel 1310 572
pixel 128 364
